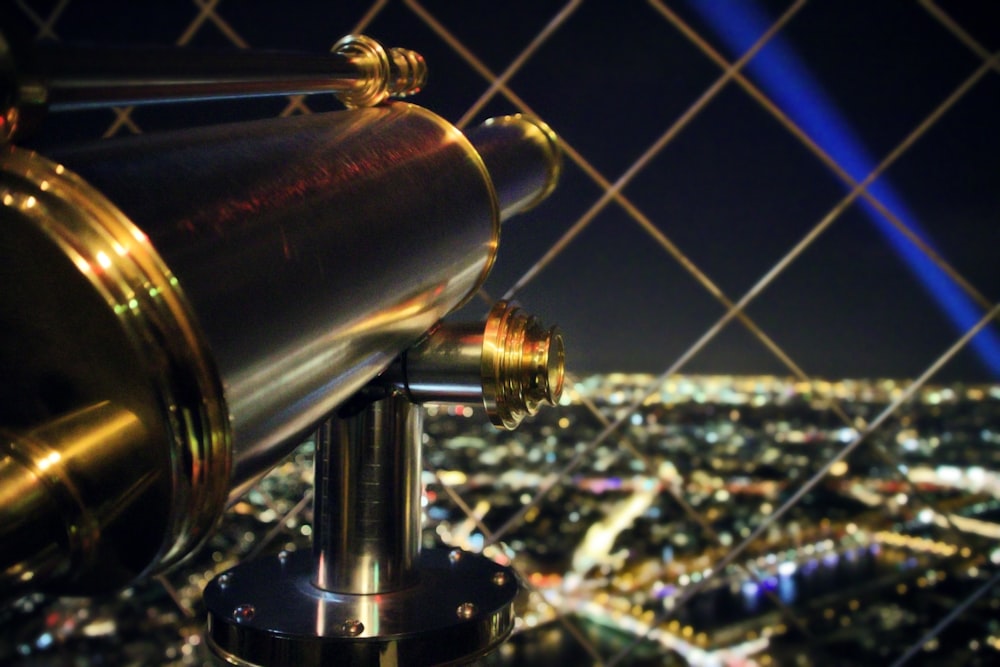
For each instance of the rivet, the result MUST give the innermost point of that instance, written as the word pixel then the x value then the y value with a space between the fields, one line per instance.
pixel 225 579
pixel 352 627
pixel 500 578
pixel 283 556
pixel 244 613
pixel 455 555
pixel 466 610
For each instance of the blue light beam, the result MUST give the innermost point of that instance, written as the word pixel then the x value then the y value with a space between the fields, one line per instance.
pixel 789 83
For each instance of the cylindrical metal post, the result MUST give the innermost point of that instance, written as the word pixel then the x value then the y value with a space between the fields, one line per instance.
pixel 366 594
pixel 366 525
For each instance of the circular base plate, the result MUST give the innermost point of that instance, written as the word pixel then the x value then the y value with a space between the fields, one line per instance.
pixel 268 612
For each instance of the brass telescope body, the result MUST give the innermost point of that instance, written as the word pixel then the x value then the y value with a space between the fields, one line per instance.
pixel 178 311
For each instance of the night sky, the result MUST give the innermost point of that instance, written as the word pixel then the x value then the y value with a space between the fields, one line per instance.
pixel 733 190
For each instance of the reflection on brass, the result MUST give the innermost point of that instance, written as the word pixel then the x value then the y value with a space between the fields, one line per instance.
pixel 64 485
pixel 98 319
pixel 393 73
pixel 408 72
pixel 523 156
pixel 231 305
pixel 522 365
pixel 188 306
pixel 10 107
pixel 512 363
pixel 312 249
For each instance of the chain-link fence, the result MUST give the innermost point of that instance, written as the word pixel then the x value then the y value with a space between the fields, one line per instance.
pixel 795 194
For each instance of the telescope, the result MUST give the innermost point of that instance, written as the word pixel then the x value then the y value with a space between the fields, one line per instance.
pixel 179 311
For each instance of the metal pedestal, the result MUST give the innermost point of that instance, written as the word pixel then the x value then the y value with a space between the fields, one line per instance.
pixel 268 612
pixel 366 594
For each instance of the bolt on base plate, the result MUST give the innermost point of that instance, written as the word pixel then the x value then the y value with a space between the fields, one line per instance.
pixel 268 612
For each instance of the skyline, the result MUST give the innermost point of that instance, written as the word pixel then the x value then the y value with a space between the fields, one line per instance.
pixel 687 546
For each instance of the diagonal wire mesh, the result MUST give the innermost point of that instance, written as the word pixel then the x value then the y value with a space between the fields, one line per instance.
pixel 623 424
